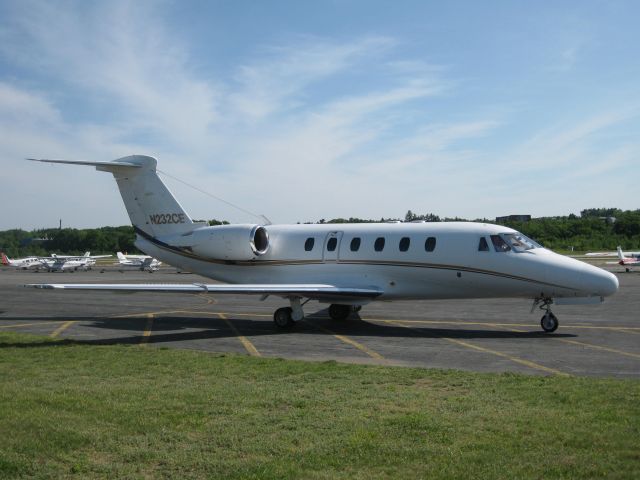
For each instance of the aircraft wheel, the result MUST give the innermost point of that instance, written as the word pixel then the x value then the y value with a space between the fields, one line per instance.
pixel 549 322
pixel 339 312
pixel 282 317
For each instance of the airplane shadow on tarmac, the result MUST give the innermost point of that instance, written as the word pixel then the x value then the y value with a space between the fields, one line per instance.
pixel 168 329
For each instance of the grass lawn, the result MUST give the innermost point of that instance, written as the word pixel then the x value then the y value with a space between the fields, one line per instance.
pixel 78 411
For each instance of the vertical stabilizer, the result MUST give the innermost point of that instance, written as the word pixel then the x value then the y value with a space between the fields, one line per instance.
pixel 5 260
pixel 152 208
pixel 620 253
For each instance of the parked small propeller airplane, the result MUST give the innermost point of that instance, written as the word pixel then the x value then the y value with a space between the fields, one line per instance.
pixel 627 261
pixel 22 263
pixel 347 265
pixel 140 262
pixel 60 263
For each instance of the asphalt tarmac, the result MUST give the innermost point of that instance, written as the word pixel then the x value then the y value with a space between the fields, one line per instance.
pixel 492 335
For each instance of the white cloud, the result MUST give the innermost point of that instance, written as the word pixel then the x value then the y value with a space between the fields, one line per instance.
pixel 118 59
pixel 276 82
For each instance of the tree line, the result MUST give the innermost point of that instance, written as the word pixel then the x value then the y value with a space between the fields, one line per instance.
pixel 587 232
pixel 593 229
pixel 71 241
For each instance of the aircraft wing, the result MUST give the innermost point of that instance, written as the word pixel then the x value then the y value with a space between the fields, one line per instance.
pixel 315 291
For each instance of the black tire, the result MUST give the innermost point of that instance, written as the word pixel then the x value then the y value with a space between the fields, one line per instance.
pixel 549 322
pixel 339 312
pixel 282 317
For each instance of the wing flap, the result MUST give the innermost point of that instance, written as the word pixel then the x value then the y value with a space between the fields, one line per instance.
pixel 315 291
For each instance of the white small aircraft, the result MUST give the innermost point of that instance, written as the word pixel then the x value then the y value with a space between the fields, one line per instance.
pixel 610 254
pixel 60 263
pixel 22 263
pixel 347 265
pixel 141 262
pixel 627 261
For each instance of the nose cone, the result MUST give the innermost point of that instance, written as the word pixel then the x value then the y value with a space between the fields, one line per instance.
pixel 600 282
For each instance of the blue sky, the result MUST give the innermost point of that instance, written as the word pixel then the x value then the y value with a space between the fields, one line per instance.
pixel 308 110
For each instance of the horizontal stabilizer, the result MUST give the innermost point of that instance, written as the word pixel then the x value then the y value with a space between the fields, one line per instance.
pixel 116 163
pixel 317 291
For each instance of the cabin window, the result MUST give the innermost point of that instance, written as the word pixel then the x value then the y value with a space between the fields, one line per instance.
pixel 404 244
pixel 430 244
pixel 483 246
pixel 308 245
pixel 379 244
pixel 499 244
pixel 332 244
pixel 355 244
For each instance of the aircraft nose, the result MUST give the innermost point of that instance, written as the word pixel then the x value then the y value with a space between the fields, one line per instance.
pixel 601 282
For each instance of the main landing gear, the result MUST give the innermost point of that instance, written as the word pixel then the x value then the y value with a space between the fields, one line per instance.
pixel 286 317
pixel 548 322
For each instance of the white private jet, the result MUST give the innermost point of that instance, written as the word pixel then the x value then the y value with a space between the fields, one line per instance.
pixel 21 263
pixel 346 265
pixel 61 263
pixel 140 262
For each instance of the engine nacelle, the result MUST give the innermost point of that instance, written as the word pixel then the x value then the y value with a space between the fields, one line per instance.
pixel 229 242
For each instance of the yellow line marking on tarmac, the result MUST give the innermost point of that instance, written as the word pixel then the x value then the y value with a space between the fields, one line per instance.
pixel 599 347
pixel 521 361
pixel 207 298
pixel 628 330
pixel 144 314
pixel 147 330
pixel 32 323
pixel 250 347
pixel 349 341
pixel 62 328
pixel 589 345
pixel 459 322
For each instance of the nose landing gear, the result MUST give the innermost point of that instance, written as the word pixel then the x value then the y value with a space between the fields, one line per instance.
pixel 548 322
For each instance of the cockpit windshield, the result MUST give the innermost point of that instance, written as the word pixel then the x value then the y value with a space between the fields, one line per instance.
pixel 519 242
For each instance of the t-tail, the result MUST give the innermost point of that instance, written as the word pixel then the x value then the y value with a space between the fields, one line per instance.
pixel 152 208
